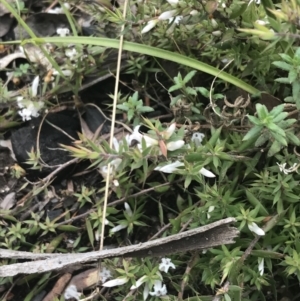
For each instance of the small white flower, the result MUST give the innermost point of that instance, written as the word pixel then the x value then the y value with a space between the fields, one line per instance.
pixel 167 15
pixel 203 171
pixel 34 86
pixel 62 31
pixel 114 165
pixel 136 135
pixel 287 170
pixel 71 292
pixel 210 209
pixel 151 24
pixel 165 264
pixel 173 2
pixel 117 228
pixel 25 114
pixel 115 282
pixel 173 145
pixel 197 138
pixel 261 266
pixel 169 168
pixel 105 274
pixel 71 53
pixel 29 108
pixel 255 229
pixel 159 289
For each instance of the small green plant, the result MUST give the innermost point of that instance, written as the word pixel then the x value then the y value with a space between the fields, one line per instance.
pixel 273 128
pixel 131 219
pixel 22 70
pixel 134 108
pixel 85 195
pixel 292 65
pixel 190 93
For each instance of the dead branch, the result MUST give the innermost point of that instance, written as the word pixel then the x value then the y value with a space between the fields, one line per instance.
pixel 208 236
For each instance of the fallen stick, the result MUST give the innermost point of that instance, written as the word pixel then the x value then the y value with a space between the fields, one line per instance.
pixel 208 236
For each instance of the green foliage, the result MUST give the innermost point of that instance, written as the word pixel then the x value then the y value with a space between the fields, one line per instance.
pixel 246 168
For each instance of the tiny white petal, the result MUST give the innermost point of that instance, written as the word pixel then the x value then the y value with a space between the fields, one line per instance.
pixel 165 264
pixel 217 33
pixel 35 85
pixel 173 145
pixel 169 131
pixel 116 144
pixel 115 282
pixel 194 12
pixel 225 61
pixel 255 229
pixel 261 266
pixel 169 168
pixel 139 282
pixel 146 292
pixel 159 289
pixel 151 24
pixel 64 72
pixel 167 15
pixel 173 2
pixel 175 20
pixel 211 208
pixel 20 101
pixel 71 53
pixel 118 228
pixel 214 23
pixel 260 22
pixel 128 209
pixel 150 141
pixel 207 173
pixel 56 11
pixel 116 163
